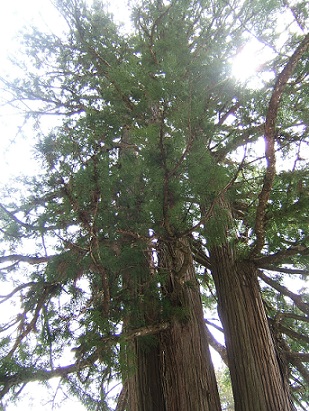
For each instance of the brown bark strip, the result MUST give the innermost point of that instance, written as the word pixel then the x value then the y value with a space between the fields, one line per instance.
pixel 255 372
pixel 189 379
pixel 269 135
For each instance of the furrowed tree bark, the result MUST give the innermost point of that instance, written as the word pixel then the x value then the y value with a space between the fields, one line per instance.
pixel 173 371
pixel 188 374
pixel 258 381
pixel 144 376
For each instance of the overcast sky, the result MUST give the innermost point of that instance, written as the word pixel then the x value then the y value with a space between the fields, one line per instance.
pixel 15 147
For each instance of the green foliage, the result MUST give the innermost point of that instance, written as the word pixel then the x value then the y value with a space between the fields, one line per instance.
pixel 225 389
pixel 154 141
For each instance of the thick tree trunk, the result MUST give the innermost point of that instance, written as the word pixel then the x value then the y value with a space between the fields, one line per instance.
pixel 257 381
pixel 145 388
pixel 188 374
pixel 173 371
pixel 143 354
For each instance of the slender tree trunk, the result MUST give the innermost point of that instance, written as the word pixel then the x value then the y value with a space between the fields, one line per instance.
pixel 257 381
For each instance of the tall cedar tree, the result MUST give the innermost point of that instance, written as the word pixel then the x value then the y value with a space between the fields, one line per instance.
pixel 153 205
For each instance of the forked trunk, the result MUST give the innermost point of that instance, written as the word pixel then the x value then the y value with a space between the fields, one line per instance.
pixel 173 371
pixel 257 380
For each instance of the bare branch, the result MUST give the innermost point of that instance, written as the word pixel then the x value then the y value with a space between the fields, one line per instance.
pixel 297 361
pixel 18 258
pixel 229 112
pixel 291 333
pixel 304 357
pixel 284 270
pixel 19 288
pixel 304 307
pixel 199 254
pixel 269 135
pixel 221 350
pixel 297 317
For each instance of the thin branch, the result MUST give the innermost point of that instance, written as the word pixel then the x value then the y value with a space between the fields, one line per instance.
pixel 295 14
pixel 27 375
pixel 199 255
pixel 241 138
pixel 290 333
pixel 297 317
pixel 217 327
pixel 221 350
pixel 304 307
pixel 299 404
pixel 14 218
pixel 304 357
pixel 284 270
pixel 18 258
pixel 231 111
pixel 31 327
pixel 297 362
pixel 19 288
pixel 269 135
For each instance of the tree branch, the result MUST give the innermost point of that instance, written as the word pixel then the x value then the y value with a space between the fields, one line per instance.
pixel 304 307
pixel 26 375
pixel 284 270
pixel 281 255
pixel 221 350
pixel 297 361
pixel 123 398
pixel 18 258
pixel 199 255
pixel 20 287
pixel 304 357
pixel 291 333
pixel 269 136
